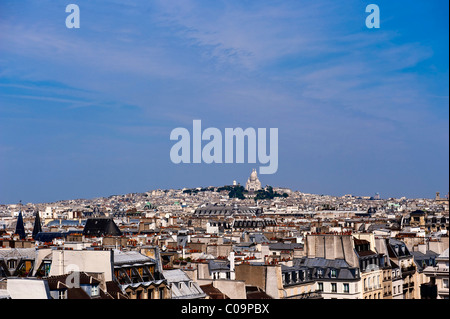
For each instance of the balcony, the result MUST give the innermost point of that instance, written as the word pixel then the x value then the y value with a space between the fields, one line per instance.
pixel 308 295
pixel 407 271
pixel 370 288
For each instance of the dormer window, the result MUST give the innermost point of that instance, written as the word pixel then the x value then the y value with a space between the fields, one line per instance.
pixel 95 291
pixel 62 294
pixel 11 264
pixel 333 273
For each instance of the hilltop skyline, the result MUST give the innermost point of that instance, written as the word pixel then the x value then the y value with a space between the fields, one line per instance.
pixel 88 112
pixel 374 196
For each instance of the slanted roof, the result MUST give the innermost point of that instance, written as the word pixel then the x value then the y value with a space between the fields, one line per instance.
pixel 58 282
pixel 28 288
pixel 175 275
pixel 321 262
pixel 130 257
pixel 20 227
pixel 101 227
pixel 37 225
pixel 443 256
pixel 213 292
pixel 18 253
pixel 285 246
pixel 218 265
pixel 365 253
pixel 114 290
pixel 77 293
pixel 254 292
pixel 182 286
pixel 49 236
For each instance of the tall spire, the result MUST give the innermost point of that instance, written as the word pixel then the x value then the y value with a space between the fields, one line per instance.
pixel 37 225
pixel 20 228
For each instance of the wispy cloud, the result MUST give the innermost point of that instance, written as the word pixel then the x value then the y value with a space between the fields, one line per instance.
pixel 134 70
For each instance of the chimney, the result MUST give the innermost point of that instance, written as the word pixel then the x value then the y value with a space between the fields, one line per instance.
pixel 231 259
pixel 422 248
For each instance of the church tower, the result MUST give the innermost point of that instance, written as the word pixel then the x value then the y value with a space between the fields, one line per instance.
pixel 37 225
pixel 20 227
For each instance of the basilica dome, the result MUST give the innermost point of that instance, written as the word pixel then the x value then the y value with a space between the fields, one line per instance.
pixel 253 183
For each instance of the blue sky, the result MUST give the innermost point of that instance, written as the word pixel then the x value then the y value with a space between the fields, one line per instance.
pixel 88 112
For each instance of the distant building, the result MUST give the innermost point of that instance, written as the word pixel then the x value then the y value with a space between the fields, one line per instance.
pixel 253 183
pixel 81 285
pixel 439 276
pixel 20 228
pixel 181 286
pixel 401 256
pixel 17 262
pixel 227 211
pixel 140 276
pixel 213 293
pixel 101 227
pixel 27 288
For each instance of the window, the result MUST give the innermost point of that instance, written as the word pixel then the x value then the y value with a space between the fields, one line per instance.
pixel 395 291
pixel 11 264
pixel 346 288
pixel 161 293
pixel 333 287
pixel 94 290
pixel 150 294
pixel 320 286
pixel 333 273
pixel 445 283
pixel 61 294
pixel 294 276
